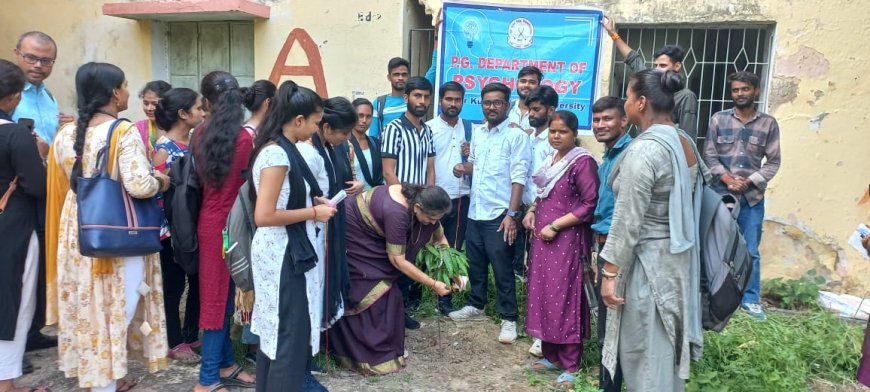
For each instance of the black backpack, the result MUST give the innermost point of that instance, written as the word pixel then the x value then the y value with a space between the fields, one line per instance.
pixel 182 204
pixel 725 262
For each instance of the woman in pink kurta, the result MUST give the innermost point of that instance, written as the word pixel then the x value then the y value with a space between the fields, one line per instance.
pixel 557 312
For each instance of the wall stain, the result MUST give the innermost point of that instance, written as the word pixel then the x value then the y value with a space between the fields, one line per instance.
pixel 805 62
pixel 782 90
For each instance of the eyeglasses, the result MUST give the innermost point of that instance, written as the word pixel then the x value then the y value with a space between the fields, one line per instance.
pixel 31 59
pixel 496 104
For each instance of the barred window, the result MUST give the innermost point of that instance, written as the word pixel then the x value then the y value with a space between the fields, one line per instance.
pixel 712 53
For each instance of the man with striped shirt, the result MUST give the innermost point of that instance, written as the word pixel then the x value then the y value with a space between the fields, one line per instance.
pixel 408 155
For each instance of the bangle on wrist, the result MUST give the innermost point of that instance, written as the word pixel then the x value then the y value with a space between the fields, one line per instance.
pixel 553 227
pixel 614 36
pixel 608 274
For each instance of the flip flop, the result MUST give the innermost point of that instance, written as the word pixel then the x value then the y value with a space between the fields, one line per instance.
pixel 126 384
pixel 233 379
pixel 217 387
pixel 40 389
pixel 544 364
pixel 565 380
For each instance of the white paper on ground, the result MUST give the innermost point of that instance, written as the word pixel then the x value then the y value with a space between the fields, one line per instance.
pixel 845 305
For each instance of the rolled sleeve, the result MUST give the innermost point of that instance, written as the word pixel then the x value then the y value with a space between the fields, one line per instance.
pixel 635 61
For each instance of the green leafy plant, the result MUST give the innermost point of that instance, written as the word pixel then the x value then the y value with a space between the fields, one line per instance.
pixel 442 262
pixel 796 294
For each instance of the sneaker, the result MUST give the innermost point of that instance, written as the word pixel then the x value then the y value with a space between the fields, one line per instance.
pixel 536 349
pixel 468 313
pixel 316 370
pixel 754 310
pixel 508 332
pixel 410 323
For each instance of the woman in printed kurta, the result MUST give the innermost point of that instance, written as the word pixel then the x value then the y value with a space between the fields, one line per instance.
pixel 557 307
pixel 387 227
pixel 651 270
pixel 98 298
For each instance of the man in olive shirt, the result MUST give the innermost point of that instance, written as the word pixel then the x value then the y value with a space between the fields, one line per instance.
pixel 669 58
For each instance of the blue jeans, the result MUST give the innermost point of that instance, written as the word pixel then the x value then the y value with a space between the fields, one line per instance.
pixel 750 221
pixel 217 349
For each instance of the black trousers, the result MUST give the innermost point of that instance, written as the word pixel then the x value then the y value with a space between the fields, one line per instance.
pixel 174 280
pixel 485 247
pixel 286 373
pixel 456 222
pixel 605 381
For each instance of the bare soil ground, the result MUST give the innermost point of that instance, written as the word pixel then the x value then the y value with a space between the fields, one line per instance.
pixel 468 358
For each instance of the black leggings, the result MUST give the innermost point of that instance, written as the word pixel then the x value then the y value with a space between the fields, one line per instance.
pixel 173 288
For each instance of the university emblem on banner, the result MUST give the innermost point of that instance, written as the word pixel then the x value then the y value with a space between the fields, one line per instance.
pixel 520 33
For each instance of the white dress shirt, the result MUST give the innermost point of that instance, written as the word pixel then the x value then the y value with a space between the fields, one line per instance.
pixel 501 158
pixel 448 153
pixel 514 116
pixel 541 149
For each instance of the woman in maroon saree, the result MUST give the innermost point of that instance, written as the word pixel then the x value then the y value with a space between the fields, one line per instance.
pixel 387 227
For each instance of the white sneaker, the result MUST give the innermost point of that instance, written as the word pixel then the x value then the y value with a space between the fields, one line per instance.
pixel 467 313
pixel 508 332
pixel 536 349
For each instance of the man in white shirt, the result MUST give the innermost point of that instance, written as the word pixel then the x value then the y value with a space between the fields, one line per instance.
pixel 528 79
pixel 451 135
pixel 499 162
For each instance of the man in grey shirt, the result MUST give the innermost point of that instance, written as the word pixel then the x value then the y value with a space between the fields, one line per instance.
pixel 669 58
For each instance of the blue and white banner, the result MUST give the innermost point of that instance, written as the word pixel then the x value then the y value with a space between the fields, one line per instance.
pixel 483 43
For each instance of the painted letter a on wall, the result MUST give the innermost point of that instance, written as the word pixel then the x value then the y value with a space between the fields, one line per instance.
pixel 314 69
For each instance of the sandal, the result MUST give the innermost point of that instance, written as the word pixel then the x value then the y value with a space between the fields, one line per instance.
pixel 234 381
pixel 184 353
pixel 542 365
pixel 565 380
pixel 217 387
pixel 39 389
pixel 126 384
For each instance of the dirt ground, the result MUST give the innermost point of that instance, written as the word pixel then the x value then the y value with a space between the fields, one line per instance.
pixel 469 358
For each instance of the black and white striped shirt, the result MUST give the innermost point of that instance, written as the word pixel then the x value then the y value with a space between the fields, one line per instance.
pixel 410 147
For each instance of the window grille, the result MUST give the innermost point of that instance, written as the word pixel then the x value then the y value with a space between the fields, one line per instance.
pixel 712 53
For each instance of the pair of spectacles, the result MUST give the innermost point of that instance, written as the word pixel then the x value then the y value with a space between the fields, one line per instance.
pixel 31 59
pixel 496 104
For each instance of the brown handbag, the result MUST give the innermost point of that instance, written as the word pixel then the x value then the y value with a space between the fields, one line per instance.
pixel 5 198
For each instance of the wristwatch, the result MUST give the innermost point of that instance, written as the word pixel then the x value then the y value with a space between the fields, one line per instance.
pixel 513 214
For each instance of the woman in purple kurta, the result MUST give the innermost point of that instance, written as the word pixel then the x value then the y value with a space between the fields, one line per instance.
pixel 387 227
pixel 557 312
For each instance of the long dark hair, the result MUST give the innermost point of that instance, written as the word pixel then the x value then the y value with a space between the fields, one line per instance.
pixel 290 101
pixel 254 96
pixel 340 114
pixel 217 144
pixel 166 113
pixel 658 87
pixel 432 199
pixel 95 85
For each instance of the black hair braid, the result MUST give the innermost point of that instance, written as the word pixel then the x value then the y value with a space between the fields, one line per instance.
pixel 85 113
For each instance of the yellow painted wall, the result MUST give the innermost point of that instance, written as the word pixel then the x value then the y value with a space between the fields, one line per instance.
pixel 82 34
pixel 813 204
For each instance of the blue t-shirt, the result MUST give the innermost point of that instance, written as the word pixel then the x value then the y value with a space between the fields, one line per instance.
pixel 606 200
pixel 38 105
pixel 393 109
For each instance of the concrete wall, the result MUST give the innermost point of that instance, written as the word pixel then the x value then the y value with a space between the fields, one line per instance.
pixel 819 95
pixel 82 34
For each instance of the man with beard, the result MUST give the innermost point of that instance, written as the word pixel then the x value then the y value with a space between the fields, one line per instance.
pixel 451 136
pixel 528 79
pixel 737 141
pixel 408 156
pixel 387 108
pixel 499 162
pixel 668 58
pixel 608 124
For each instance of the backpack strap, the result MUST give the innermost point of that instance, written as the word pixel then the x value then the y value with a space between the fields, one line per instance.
pixel 382 101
